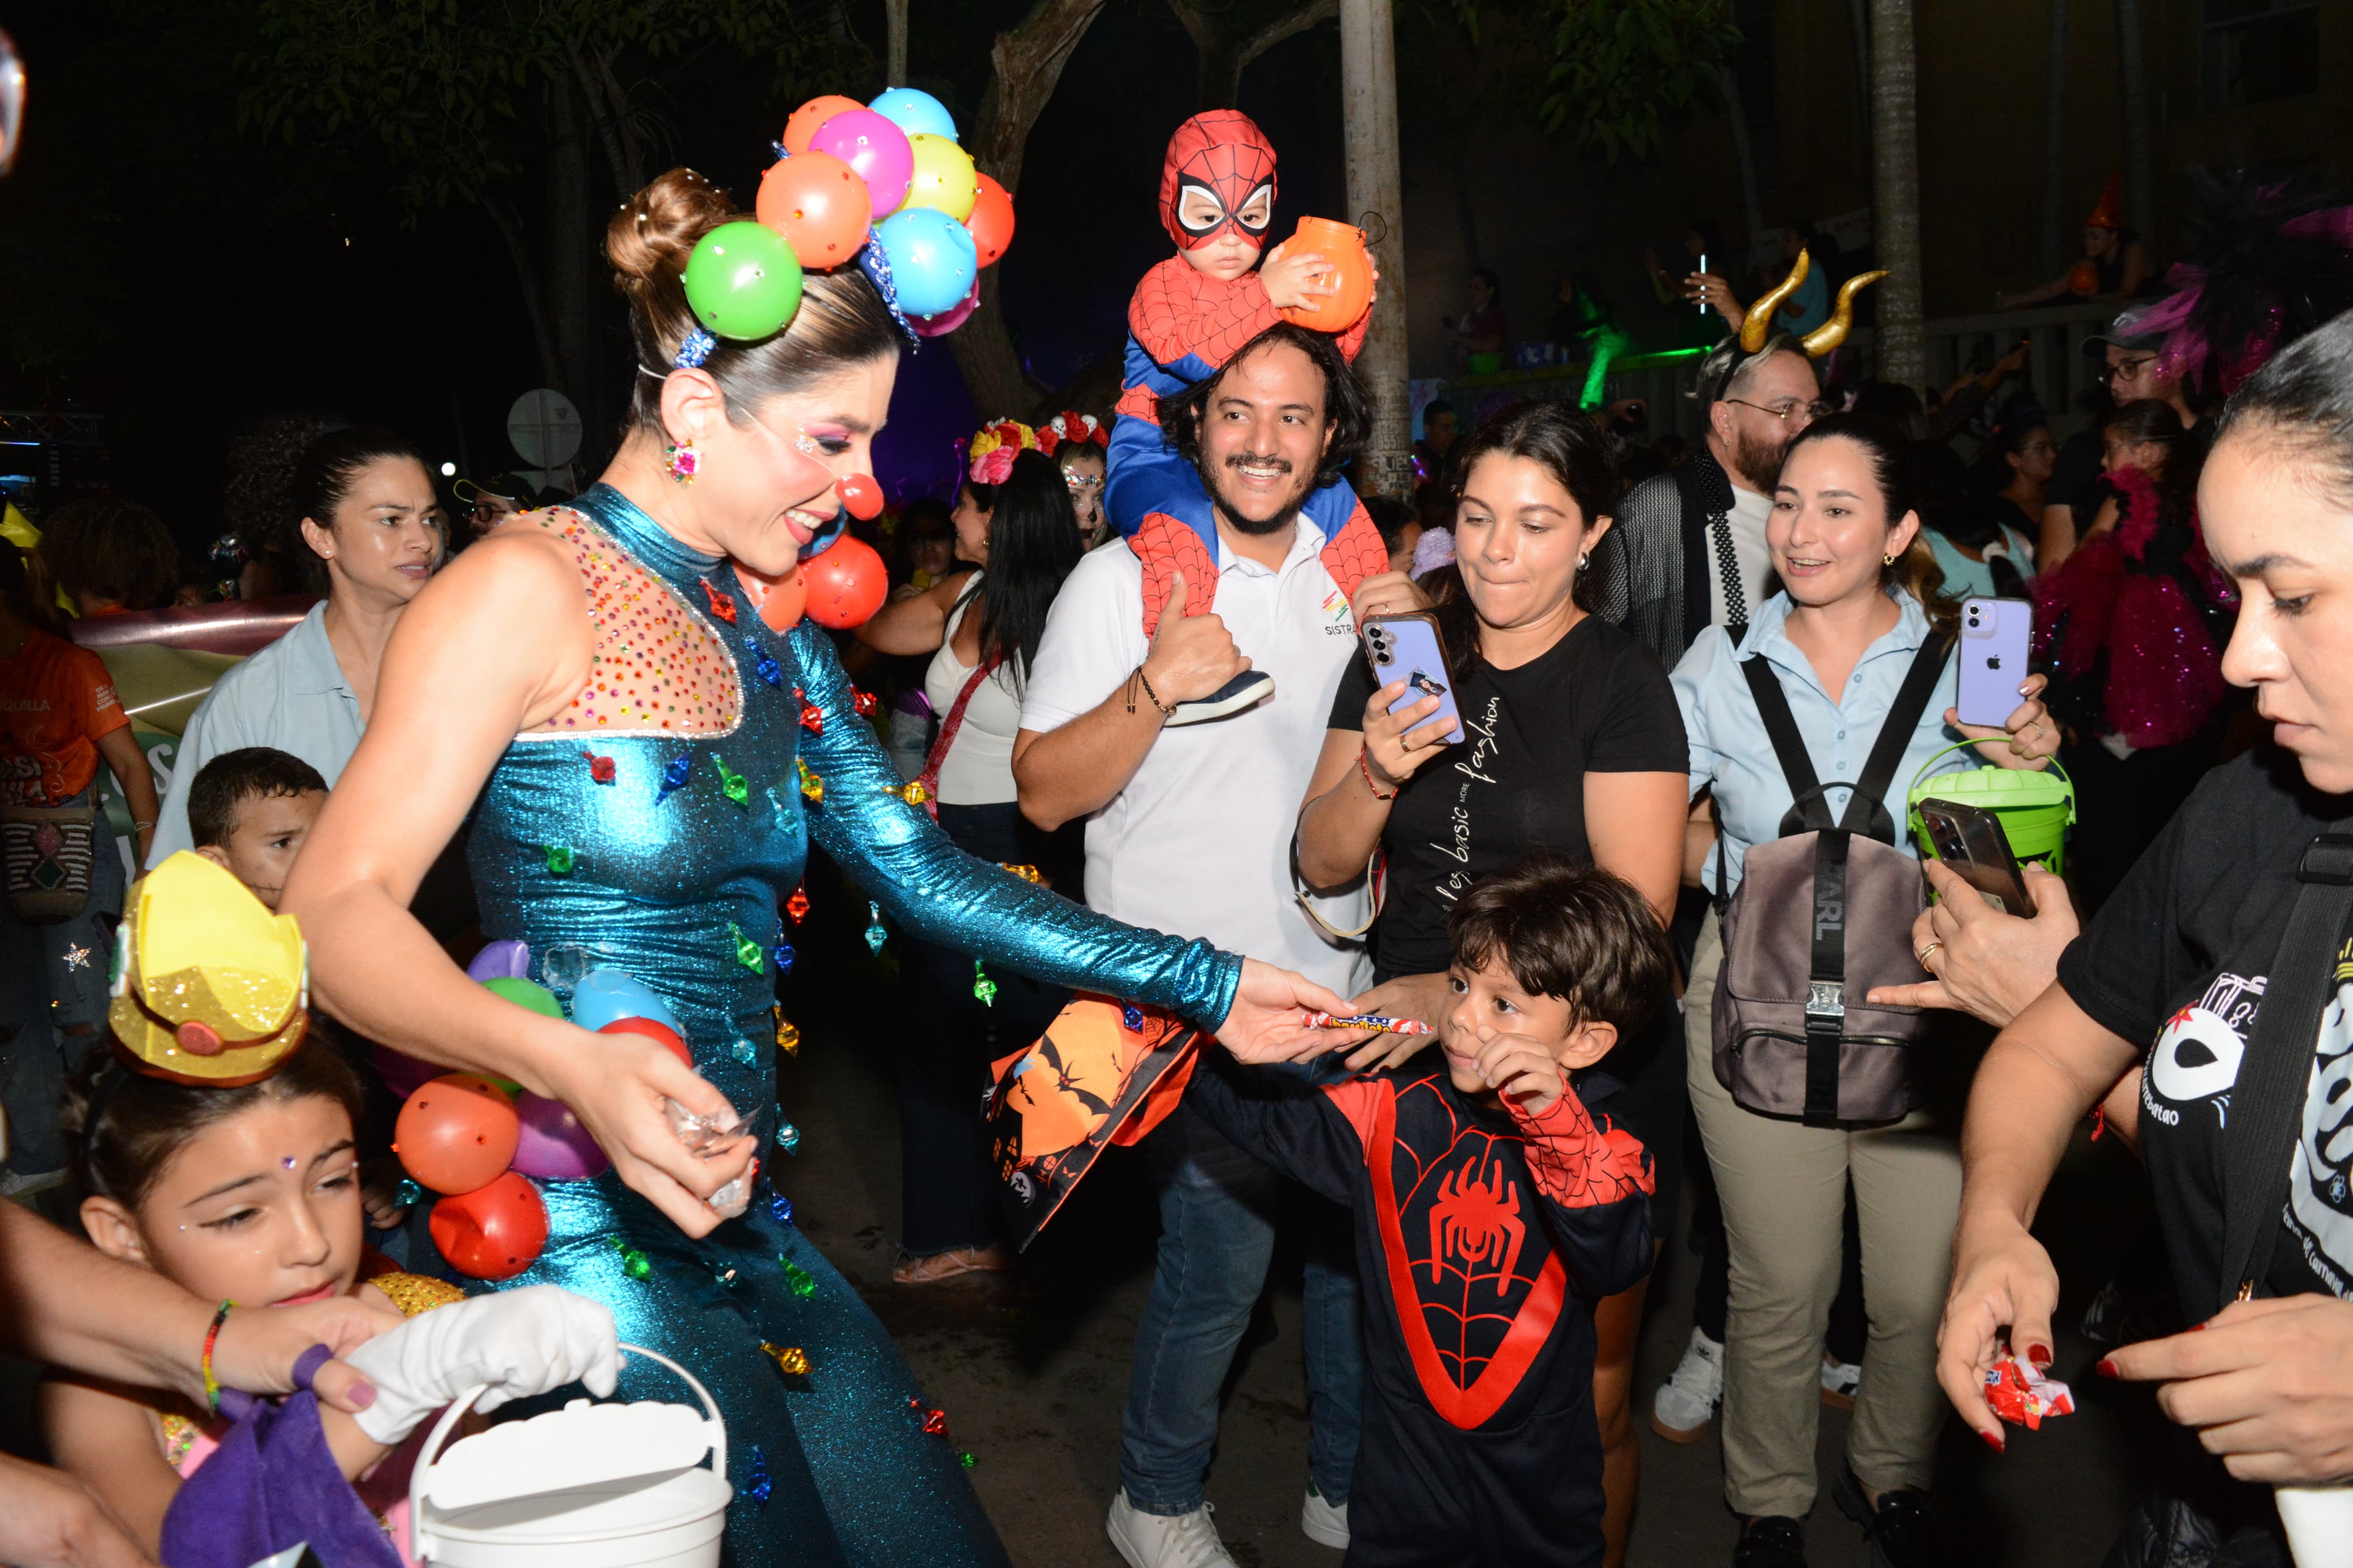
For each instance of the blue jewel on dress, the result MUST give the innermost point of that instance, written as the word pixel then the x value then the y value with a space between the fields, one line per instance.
pixel 407 1193
pixel 674 776
pixel 758 1486
pixel 1133 1018
pixel 784 956
pixel 875 935
pixel 788 1137
pixel 746 1053
pixel 762 660
pixel 780 1207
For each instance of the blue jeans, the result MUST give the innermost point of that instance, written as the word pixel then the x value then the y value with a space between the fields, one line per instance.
pixel 53 997
pixel 1217 1219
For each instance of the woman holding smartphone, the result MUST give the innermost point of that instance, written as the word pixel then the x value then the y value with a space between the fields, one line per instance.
pixel 1568 744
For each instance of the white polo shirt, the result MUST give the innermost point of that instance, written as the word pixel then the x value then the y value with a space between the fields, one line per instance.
pixel 1198 842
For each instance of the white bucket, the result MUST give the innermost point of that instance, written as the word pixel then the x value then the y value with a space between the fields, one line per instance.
pixel 588 1486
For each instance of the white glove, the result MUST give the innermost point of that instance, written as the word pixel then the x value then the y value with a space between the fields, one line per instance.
pixel 520 1342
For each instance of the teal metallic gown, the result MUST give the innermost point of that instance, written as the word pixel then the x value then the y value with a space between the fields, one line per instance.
pixel 669 861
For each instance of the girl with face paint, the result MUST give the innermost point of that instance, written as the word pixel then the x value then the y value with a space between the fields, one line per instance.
pixel 1189 315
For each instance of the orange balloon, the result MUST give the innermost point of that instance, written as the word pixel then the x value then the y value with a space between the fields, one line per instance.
pixel 779 600
pixel 846 584
pixel 991 221
pixel 494 1232
pixel 661 1033
pixel 1342 245
pixel 810 116
pixel 819 204
pixel 457 1132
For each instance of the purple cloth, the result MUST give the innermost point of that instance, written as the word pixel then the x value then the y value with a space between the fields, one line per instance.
pixel 272 1484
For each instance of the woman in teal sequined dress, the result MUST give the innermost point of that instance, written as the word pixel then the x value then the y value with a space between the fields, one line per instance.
pixel 597 677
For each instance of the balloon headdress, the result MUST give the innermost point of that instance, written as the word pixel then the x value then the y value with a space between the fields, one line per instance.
pixel 210 988
pixel 1225 155
pixel 883 185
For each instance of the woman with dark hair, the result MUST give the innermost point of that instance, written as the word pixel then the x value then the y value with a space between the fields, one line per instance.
pixel 984 626
pixel 2167 1008
pixel 1862 597
pixel 370 522
pixel 1981 555
pixel 596 688
pixel 1569 746
pixel 2014 467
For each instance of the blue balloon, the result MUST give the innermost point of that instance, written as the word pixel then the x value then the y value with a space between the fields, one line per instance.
pixel 914 111
pixel 932 259
pixel 604 994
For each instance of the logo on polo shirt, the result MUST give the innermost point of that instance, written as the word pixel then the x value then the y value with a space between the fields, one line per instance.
pixel 1342 623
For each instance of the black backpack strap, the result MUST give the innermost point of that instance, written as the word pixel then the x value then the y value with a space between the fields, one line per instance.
pixel 2267 1101
pixel 1826 984
pixel 1894 737
pixel 1788 746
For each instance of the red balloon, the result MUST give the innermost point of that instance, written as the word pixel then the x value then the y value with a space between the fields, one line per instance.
pixel 860 494
pixel 492 1233
pixel 780 600
pixel 991 222
pixel 819 205
pixel 810 116
pixel 846 584
pixel 457 1133
pixel 949 320
pixel 661 1032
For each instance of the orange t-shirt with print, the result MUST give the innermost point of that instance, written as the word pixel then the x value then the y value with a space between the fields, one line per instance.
pixel 55 701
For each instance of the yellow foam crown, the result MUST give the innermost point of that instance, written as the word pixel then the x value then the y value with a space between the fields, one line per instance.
pixel 209 987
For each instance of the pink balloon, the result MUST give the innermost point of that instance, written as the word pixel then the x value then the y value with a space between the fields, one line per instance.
pixel 402 1074
pixel 949 320
pixel 877 149
pixel 554 1147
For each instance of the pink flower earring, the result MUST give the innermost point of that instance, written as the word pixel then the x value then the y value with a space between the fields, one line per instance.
pixel 681 461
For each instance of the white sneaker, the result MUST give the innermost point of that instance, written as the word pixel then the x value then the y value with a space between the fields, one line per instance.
pixel 1157 1541
pixel 1839 1380
pixel 1322 1522
pixel 1686 1401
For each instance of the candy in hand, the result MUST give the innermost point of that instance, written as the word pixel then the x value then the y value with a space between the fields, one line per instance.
pixel 701 1134
pixel 2021 1396
pixel 1371 1023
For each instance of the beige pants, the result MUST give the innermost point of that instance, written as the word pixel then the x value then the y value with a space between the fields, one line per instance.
pixel 1784 1190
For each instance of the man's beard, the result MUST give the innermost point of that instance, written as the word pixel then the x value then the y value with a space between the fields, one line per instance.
pixel 1759 462
pixel 1211 471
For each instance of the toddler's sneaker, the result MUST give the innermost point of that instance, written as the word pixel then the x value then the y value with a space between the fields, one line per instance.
pixel 1322 1521
pixel 1160 1541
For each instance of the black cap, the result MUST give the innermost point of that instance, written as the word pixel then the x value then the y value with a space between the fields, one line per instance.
pixel 2120 334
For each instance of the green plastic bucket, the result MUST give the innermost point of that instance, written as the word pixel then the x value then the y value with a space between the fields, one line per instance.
pixel 2036 807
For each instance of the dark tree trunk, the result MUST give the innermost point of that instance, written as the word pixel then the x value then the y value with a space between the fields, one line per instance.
pixel 571 250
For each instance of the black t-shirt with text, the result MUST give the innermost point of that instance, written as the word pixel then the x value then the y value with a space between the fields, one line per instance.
pixel 2180 956
pixel 1595 702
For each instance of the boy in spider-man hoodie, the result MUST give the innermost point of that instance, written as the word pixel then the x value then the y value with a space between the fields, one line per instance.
pixel 1492 1209
pixel 1188 316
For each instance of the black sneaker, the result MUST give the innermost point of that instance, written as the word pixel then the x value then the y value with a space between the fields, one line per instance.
pixel 1901 1534
pixel 1248 690
pixel 1771 1542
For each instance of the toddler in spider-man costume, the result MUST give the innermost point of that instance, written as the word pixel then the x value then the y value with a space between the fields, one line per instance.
pixel 1492 1210
pixel 1189 315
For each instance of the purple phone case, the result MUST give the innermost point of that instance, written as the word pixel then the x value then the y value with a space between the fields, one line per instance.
pixel 1996 642
pixel 1415 658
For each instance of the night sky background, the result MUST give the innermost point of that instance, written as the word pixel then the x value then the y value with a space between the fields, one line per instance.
pixel 180 278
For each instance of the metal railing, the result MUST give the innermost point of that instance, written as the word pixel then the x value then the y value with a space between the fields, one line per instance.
pixel 2056 370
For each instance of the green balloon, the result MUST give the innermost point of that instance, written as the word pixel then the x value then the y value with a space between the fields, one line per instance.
pixel 526 993
pixel 743 280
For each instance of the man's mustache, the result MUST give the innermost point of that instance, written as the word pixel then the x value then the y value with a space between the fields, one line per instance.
pixel 1263 460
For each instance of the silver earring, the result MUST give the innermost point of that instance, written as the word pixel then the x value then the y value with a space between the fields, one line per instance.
pixel 1582 557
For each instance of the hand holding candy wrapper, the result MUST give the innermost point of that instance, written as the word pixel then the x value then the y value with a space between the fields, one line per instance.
pixel 2024 1396
pixel 702 1135
pixel 1372 1024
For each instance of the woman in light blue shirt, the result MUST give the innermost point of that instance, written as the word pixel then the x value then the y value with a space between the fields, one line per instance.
pixel 370 515
pixel 1861 595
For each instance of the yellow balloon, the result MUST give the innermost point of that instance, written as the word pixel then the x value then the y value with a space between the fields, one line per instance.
pixel 944 179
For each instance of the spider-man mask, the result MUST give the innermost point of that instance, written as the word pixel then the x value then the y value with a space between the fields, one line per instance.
pixel 1217 166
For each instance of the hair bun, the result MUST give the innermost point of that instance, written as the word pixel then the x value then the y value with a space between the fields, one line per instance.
pixel 651 238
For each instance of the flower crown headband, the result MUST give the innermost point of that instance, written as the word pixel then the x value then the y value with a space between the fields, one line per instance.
pixel 996 446
pixel 1071 425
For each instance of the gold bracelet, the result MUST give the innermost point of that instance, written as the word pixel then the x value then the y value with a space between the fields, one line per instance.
pixel 1164 710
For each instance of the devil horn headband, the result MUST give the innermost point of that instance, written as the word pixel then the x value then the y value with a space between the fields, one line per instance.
pixel 1758 325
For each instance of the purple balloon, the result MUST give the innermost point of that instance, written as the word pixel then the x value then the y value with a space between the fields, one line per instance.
pixel 877 149
pixel 403 1074
pixel 554 1147
pixel 949 320
pixel 505 959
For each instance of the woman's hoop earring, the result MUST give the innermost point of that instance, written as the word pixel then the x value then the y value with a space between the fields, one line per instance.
pixel 681 461
pixel 1888 560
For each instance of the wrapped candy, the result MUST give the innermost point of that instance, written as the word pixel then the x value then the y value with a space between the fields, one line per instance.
pixel 2023 1396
